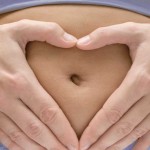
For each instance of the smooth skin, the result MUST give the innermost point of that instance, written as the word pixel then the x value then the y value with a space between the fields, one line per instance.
pixel 125 117
pixel 19 88
pixel 119 113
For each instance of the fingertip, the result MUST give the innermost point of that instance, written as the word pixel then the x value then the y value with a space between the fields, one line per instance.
pixel 83 47
pixel 69 38
pixel 84 143
pixel 74 142
pixel 83 42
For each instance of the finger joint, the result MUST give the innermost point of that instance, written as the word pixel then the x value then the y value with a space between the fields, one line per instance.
pixel 34 129
pixel 112 115
pixel 142 80
pixel 18 82
pixel 16 136
pixel 139 132
pixel 49 114
pixel 124 128
pixel 53 26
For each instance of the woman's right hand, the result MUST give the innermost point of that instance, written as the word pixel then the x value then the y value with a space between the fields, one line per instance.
pixel 29 118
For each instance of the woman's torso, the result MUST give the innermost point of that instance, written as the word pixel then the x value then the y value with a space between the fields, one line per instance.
pixel 96 74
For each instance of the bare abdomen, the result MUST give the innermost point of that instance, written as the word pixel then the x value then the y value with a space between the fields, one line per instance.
pixel 79 81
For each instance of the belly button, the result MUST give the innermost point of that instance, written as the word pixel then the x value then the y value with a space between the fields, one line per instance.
pixel 75 79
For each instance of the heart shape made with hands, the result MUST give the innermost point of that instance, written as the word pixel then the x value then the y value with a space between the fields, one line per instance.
pixel 92 73
pixel 79 81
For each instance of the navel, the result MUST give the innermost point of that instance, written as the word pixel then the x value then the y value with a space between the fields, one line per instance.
pixel 75 79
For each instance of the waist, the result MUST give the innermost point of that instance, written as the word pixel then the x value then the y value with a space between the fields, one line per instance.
pixel 135 6
pixel 72 16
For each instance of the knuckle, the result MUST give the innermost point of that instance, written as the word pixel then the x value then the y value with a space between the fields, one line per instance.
pixel 53 26
pixel 102 31
pixel 16 136
pixel 142 80
pixel 20 25
pixel 139 132
pixel 17 81
pixel 124 128
pixel 133 27
pixel 112 115
pixel 49 114
pixel 130 24
pixel 23 22
pixel 34 129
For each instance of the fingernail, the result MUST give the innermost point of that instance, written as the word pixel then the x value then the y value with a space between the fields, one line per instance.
pixel 69 37
pixel 85 147
pixel 84 40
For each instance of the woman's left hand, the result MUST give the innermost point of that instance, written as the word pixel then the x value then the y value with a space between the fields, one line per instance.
pixel 125 117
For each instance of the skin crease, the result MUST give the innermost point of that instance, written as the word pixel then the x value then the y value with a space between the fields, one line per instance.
pixel 96 74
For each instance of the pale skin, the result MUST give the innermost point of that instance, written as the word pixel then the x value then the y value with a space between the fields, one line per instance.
pixel 17 74
pixel 20 91
pixel 127 111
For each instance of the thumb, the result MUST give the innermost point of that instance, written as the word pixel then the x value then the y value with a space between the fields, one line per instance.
pixel 120 33
pixel 50 32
